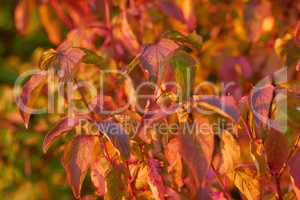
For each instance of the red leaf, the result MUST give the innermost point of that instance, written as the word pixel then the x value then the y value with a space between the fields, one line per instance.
pixel 155 180
pixel 171 9
pixel 30 93
pixel 276 146
pixel 78 156
pixel 172 153
pixel 234 68
pixel 63 126
pixel 194 156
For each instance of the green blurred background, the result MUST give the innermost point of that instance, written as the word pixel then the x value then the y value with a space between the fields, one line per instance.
pixel 25 172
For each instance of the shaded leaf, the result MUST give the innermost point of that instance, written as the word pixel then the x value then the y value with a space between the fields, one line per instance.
pixel 294 165
pixel 63 126
pixel 116 185
pixel 194 157
pixel 276 147
pixel 170 8
pixel 92 58
pixel 155 180
pixel 116 135
pixel 234 68
pixel 172 154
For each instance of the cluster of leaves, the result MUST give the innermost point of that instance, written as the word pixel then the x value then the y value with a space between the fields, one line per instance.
pixel 162 41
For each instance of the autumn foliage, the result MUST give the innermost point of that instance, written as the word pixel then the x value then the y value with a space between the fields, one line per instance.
pixel 168 99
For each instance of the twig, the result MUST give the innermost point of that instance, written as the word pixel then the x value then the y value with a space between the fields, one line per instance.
pixel 291 153
pixel 227 195
pixel 278 187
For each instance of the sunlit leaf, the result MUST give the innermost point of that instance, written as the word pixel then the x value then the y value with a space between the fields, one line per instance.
pixel 154 57
pixel 231 152
pixel 64 58
pixel 117 136
pixel 78 156
pixel 50 24
pixel 246 181
pixel 98 177
pixel 225 106
pixel 30 92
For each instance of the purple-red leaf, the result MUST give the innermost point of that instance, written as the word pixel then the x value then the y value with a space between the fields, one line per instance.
pixel 29 95
pixel 294 165
pixel 234 68
pixel 155 180
pixel 194 157
pixel 171 9
pixel 276 146
pixel 63 126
